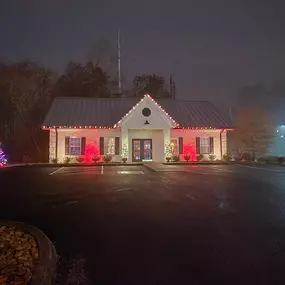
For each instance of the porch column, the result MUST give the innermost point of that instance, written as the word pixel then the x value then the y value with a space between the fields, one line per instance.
pixel 224 145
pixel 126 150
pixel 166 139
pixel 52 144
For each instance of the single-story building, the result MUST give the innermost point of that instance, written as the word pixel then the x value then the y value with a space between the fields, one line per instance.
pixel 140 130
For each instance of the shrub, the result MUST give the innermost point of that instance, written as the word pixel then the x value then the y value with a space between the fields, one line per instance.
pixel 175 158
pixel 268 159
pixel 281 159
pixel 200 157
pixel 54 160
pixel 67 159
pixel 96 158
pixel 168 158
pixel 26 158
pixel 107 158
pixel 238 157
pixel 212 157
pixel 247 156
pixel 80 159
pixel 187 157
pixel 226 157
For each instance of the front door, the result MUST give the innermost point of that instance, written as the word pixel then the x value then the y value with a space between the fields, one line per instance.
pixel 142 149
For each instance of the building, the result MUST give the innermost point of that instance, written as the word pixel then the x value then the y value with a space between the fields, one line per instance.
pixel 140 130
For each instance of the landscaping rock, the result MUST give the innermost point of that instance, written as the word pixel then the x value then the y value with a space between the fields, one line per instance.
pixel 19 256
pixel 27 256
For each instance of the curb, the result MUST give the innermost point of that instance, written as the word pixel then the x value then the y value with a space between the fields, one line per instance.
pixel 150 168
pixel 70 165
pixel 198 163
pixel 45 271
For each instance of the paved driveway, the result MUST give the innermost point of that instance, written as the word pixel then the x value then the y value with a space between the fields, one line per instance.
pixel 203 225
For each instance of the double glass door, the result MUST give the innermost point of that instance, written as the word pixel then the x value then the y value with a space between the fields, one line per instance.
pixel 142 149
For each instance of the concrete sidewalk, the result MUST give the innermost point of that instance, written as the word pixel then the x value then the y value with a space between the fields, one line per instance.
pixel 159 167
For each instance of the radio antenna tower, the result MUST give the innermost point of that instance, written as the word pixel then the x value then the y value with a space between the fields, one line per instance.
pixel 119 62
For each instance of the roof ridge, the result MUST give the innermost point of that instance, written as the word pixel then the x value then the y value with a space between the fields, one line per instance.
pixel 93 98
pixel 129 98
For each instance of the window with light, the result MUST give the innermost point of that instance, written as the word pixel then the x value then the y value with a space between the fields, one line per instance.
pixel 205 145
pixel 174 146
pixel 75 146
pixel 109 146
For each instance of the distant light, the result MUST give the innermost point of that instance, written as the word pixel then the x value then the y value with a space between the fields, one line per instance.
pixel 282 136
pixel 277 131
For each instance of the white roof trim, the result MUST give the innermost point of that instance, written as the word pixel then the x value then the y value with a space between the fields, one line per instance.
pixel 172 123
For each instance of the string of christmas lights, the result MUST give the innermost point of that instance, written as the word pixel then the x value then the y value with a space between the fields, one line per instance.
pixel 176 125
pixel 3 159
pixel 159 106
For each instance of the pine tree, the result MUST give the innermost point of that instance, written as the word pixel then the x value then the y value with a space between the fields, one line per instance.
pixel 168 152
pixel 125 151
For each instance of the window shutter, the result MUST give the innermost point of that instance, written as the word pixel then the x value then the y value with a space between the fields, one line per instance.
pixel 67 145
pixel 198 145
pixel 117 145
pixel 211 145
pixel 83 143
pixel 180 142
pixel 101 145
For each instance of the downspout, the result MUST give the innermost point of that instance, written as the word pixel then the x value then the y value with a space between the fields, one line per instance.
pixel 56 143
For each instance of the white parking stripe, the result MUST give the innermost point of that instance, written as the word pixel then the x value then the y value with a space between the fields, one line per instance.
pixel 56 171
pixel 225 170
pixel 102 171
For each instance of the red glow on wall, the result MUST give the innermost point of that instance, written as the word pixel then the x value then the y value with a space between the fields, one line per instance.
pixel 91 150
pixel 190 150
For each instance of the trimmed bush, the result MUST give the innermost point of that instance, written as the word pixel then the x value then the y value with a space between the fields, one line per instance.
pixel 79 159
pixel 200 157
pixel 107 158
pixel 175 158
pixel 212 157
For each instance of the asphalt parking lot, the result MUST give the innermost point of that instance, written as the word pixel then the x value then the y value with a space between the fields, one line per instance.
pixel 130 225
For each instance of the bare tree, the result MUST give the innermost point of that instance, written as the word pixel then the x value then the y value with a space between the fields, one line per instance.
pixel 254 130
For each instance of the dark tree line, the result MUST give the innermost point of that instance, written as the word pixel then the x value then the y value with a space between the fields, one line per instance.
pixel 27 90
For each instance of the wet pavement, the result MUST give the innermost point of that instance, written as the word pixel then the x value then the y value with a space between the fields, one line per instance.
pixel 130 225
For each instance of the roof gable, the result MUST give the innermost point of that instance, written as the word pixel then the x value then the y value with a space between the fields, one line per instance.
pixel 147 102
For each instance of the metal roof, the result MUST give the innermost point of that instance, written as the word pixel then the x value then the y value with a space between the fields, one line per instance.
pixel 70 111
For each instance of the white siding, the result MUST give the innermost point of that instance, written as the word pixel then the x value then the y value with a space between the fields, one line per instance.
pixel 52 145
pixel 157 120
pixel 92 139
pixel 189 138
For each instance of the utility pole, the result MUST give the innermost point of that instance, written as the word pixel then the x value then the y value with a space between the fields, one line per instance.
pixel 171 86
pixel 119 62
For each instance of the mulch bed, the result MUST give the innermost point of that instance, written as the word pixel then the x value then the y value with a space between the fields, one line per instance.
pixel 19 256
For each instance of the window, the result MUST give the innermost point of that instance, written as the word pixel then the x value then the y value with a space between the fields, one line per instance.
pixel 75 146
pixel 204 145
pixel 109 146
pixel 174 146
pixel 146 112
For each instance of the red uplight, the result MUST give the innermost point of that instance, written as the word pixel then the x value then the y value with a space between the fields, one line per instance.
pixel 190 150
pixel 91 150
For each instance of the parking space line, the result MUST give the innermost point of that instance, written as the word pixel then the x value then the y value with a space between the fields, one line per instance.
pixel 224 170
pixel 56 171
pixel 102 171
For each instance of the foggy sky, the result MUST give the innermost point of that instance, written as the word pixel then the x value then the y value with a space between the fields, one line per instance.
pixel 212 47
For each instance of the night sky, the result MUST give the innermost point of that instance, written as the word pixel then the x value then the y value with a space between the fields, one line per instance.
pixel 213 47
